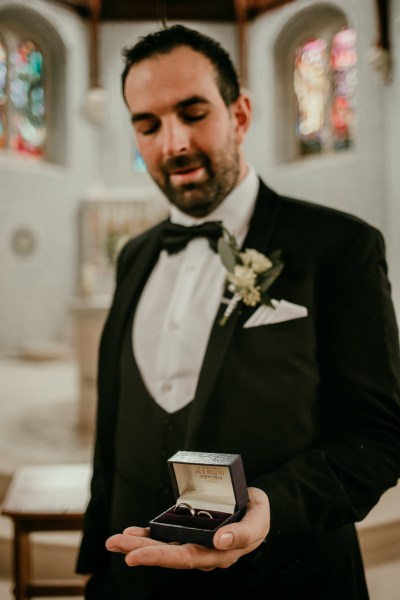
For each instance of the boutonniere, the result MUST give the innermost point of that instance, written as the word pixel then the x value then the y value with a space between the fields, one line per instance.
pixel 250 273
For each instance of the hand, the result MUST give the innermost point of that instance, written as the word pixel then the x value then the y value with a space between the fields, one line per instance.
pixel 231 542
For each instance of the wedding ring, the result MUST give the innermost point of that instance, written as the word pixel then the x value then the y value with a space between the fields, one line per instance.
pixel 185 506
pixel 205 513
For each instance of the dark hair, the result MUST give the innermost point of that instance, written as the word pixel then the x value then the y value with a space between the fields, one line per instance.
pixel 166 40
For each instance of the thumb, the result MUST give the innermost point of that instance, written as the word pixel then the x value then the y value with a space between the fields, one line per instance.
pixel 253 527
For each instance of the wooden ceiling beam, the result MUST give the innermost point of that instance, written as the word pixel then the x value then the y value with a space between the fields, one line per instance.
pixel 242 32
pixel 94 25
pixel 208 10
pixel 382 9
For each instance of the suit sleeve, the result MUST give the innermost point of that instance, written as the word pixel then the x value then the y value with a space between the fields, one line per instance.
pixel 357 456
pixel 92 554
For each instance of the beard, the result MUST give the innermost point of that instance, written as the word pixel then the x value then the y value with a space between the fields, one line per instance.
pixel 199 199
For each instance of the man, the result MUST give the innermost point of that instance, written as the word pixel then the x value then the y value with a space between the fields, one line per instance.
pixel 307 392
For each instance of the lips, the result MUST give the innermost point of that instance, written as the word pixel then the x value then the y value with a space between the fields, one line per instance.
pixel 188 174
pixel 186 169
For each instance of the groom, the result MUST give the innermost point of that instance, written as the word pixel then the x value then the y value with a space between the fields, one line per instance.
pixel 306 392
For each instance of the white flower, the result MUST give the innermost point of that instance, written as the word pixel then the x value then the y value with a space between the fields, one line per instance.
pixel 249 274
pixel 255 260
pixel 242 277
pixel 251 296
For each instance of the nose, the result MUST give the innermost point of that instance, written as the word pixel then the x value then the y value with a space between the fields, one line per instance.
pixel 175 137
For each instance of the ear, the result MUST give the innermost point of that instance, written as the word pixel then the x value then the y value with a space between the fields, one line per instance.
pixel 241 111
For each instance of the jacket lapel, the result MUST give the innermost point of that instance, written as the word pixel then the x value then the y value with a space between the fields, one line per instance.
pixel 258 237
pixel 136 265
pixel 135 269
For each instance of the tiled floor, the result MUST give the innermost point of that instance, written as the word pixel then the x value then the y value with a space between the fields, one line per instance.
pixel 39 403
pixel 5 590
pixel 39 407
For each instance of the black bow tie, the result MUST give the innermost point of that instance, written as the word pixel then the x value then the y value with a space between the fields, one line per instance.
pixel 175 237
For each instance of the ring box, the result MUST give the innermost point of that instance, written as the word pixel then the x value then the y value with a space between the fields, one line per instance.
pixel 209 482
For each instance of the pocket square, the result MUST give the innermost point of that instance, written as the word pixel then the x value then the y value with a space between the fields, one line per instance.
pixel 282 311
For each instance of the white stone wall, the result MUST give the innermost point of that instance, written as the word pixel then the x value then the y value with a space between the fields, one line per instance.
pixel 36 291
pixel 365 181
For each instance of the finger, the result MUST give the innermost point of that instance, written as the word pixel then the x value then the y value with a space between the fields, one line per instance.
pixel 185 556
pixel 121 542
pixel 139 531
pixel 253 528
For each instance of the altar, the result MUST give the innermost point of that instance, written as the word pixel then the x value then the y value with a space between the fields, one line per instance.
pixel 106 222
pixel 88 317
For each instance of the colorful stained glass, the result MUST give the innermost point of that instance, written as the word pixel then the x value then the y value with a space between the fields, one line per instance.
pixel 344 75
pixel 324 84
pixel 3 94
pixel 27 99
pixel 311 85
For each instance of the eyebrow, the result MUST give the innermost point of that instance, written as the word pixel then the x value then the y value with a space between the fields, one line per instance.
pixel 143 116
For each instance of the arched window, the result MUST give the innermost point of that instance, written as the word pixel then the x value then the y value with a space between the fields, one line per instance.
pixel 3 94
pixel 32 87
pixel 324 79
pixel 316 74
pixel 26 107
pixel 344 79
pixel 22 97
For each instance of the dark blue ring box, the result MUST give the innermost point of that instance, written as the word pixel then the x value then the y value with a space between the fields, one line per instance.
pixel 210 482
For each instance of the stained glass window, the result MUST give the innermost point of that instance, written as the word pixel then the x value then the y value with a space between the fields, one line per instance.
pixel 344 76
pixel 3 94
pixel 324 81
pixel 27 122
pixel 22 99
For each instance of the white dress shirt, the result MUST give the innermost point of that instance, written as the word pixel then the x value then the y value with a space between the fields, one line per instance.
pixel 180 300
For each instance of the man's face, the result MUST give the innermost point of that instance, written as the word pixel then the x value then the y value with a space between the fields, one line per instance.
pixel 189 139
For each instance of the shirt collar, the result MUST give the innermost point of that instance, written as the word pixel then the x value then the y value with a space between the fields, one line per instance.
pixel 234 212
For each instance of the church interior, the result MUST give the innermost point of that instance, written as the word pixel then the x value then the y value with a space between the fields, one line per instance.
pixel 324 77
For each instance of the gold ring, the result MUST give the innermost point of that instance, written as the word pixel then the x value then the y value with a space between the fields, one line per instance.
pixel 185 506
pixel 205 513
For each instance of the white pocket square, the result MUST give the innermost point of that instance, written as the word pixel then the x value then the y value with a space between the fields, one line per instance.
pixel 282 311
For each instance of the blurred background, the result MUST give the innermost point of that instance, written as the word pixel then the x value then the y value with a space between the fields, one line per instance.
pixel 325 82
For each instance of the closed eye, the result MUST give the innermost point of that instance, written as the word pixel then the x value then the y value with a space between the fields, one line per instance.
pixel 146 126
pixel 193 109
pixel 193 118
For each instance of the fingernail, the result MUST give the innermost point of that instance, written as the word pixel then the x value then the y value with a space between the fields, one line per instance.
pixel 226 540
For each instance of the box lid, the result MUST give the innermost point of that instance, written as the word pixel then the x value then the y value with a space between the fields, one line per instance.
pixel 209 480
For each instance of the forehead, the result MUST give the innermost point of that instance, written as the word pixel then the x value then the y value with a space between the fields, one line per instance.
pixel 171 78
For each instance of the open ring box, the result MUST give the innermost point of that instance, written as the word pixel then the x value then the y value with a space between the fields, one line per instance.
pixel 205 481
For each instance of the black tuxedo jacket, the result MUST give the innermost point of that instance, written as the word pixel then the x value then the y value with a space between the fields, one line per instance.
pixel 312 404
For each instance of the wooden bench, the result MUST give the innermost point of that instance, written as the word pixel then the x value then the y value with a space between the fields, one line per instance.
pixel 45 498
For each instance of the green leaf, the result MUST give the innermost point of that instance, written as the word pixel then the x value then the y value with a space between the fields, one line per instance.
pixel 227 254
pixel 230 239
pixel 267 279
pixel 275 256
